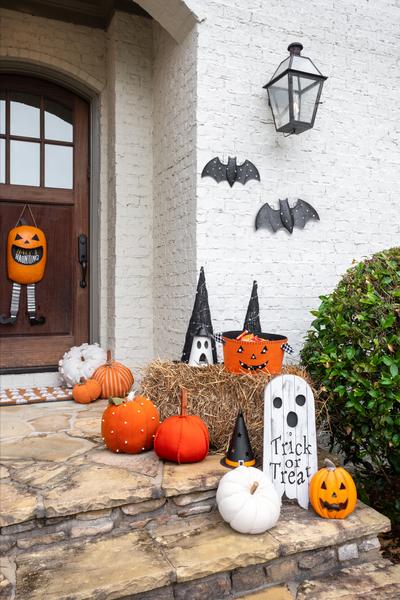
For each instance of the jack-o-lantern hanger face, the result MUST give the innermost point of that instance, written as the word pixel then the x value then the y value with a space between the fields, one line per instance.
pixel 27 253
pixel 27 249
pixel 249 355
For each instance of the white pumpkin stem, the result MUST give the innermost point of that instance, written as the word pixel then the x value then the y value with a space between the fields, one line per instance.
pixel 183 403
pixel 329 465
pixel 254 487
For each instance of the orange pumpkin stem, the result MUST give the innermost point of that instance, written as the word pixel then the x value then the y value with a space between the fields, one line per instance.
pixel 82 381
pixel 329 465
pixel 254 487
pixel 183 403
pixel 109 361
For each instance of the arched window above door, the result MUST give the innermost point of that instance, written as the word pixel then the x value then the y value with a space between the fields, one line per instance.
pixel 36 134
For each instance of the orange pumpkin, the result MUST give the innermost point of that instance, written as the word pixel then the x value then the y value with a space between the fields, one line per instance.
pixel 333 493
pixel 26 254
pixel 86 391
pixel 182 439
pixel 115 379
pixel 242 356
pixel 129 426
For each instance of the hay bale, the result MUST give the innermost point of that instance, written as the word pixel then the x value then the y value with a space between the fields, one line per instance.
pixel 214 395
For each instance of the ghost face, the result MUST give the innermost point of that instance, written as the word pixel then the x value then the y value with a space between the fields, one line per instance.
pixel 201 352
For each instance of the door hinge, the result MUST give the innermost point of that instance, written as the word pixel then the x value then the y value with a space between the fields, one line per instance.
pixel 88 171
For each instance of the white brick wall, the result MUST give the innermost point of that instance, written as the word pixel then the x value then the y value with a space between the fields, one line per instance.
pixel 175 133
pixel 347 167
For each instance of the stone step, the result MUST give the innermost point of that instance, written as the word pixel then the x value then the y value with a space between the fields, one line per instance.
pixel 207 561
pixel 376 580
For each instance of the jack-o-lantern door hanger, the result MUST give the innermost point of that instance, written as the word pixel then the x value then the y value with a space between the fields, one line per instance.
pixel 26 262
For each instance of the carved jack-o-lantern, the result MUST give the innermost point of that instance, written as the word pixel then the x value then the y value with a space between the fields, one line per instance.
pixel 26 254
pixel 333 493
pixel 241 356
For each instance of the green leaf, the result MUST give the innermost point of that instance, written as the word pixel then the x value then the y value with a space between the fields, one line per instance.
pixel 394 371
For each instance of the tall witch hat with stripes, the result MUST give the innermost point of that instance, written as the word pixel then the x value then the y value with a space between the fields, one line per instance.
pixel 239 451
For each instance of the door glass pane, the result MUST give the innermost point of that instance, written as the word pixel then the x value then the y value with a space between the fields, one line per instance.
pixel 2 161
pixel 24 163
pixel 57 122
pixel 25 114
pixel 2 112
pixel 58 172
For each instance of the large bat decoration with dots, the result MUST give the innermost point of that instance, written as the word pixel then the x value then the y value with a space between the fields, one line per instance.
pixel 285 216
pixel 230 172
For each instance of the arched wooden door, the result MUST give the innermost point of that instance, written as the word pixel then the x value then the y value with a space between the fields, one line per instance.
pixel 44 162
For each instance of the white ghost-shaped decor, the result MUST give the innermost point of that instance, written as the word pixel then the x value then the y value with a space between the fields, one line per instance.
pixel 201 352
pixel 290 442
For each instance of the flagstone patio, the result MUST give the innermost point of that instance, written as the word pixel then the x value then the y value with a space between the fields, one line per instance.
pixel 79 522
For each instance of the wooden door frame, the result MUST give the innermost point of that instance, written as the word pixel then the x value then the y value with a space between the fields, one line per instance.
pixel 66 81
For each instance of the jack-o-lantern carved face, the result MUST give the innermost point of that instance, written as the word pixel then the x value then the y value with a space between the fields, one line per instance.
pixel 26 254
pixel 333 493
pixel 250 358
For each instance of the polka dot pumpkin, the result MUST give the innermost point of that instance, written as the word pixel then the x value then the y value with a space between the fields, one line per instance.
pixel 129 425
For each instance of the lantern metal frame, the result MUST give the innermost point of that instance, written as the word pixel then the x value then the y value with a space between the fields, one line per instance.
pixel 295 126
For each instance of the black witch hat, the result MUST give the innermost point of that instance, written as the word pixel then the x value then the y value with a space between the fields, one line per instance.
pixel 239 451
pixel 252 320
pixel 201 317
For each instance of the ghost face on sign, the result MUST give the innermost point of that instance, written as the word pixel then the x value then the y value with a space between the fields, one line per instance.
pixel 290 448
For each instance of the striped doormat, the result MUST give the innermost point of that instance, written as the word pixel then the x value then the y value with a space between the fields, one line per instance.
pixel 34 394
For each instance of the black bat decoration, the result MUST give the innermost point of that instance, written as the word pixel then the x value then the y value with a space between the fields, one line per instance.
pixel 285 216
pixel 230 172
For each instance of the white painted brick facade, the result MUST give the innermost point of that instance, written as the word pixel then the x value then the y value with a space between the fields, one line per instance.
pixel 172 96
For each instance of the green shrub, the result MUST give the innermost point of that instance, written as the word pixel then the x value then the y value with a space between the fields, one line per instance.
pixel 353 356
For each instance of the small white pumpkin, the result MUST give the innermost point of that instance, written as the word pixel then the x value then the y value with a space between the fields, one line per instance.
pixel 248 501
pixel 80 361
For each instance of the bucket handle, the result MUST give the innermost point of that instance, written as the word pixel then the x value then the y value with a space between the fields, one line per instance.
pixel 220 340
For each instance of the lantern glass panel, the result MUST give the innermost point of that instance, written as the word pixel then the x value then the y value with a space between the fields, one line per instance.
pixel 305 93
pixel 282 67
pixel 279 99
pixel 305 65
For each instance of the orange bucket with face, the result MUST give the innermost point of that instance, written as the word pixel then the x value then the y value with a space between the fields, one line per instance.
pixel 241 356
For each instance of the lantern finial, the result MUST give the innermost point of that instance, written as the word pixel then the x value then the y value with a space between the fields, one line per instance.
pixel 295 48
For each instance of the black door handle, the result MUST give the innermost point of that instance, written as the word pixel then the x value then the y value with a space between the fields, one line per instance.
pixel 82 254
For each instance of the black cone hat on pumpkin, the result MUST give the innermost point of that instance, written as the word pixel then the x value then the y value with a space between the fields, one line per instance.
pixel 240 447
pixel 252 320
pixel 201 317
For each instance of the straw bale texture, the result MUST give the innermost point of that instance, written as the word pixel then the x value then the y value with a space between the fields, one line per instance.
pixel 215 395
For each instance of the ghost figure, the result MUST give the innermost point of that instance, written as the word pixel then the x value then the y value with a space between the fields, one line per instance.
pixel 201 352
pixel 290 446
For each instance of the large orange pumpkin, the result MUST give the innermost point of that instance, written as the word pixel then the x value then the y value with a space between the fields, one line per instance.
pixel 242 356
pixel 182 439
pixel 129 426
pixel 115 379
pixel 26 254
pixel 333 493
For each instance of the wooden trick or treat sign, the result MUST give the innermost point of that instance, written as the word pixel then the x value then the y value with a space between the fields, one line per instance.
pixel 290 446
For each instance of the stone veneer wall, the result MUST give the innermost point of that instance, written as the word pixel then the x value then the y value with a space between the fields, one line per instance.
pixel 185 512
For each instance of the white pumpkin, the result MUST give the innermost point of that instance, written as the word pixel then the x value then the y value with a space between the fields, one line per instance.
pixel 247 507
pixel 80 361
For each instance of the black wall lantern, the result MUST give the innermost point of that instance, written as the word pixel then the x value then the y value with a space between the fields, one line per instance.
pixel 294 92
